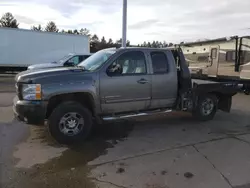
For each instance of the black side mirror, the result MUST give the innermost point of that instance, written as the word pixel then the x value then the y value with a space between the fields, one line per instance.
pixel 114 70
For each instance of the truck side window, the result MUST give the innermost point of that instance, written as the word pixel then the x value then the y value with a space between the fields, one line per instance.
pixel 160 62
pixel 74 60
pixel 130 63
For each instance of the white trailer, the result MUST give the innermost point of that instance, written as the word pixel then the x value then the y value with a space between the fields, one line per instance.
pixel 20 48
pixel 225 59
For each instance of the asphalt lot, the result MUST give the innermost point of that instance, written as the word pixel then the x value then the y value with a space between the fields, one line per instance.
pixel 167 151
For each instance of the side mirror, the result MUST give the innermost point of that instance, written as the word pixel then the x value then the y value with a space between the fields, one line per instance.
pixel 114 70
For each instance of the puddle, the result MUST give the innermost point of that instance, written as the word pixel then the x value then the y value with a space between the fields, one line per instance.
pixel 70 169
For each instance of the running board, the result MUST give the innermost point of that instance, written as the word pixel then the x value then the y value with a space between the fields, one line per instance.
pixel 125 116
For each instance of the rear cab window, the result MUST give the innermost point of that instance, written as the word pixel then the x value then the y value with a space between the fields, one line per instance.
pixel 159 62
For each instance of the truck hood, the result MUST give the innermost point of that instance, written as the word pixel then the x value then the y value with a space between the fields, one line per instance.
pixel 45 65
pixel 50 75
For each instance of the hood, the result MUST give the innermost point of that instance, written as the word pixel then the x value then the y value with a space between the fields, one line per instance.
pixel 45 65
pixel 49 75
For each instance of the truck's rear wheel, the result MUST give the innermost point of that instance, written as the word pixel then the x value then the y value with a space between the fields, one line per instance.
pixel 246 89
pixel 70 122
pixel 206 107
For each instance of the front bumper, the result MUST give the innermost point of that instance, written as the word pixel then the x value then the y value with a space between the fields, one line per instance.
pixel 33 112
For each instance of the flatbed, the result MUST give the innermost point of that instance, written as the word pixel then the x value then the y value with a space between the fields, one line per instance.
pixel 212 86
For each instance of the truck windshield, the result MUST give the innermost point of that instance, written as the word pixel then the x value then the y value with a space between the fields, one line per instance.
pixel 97 60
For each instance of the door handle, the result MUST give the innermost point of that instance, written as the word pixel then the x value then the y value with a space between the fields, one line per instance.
pixel 142 81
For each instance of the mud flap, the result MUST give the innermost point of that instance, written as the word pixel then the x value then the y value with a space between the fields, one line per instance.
pixel 225 103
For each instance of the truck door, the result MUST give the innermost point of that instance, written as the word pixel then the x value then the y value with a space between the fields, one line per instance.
pixel 164 79
pixel 126 85
pixel 213 61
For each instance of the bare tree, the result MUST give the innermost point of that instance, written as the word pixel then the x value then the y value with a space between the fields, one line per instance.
pixel 95 39
pixel 8 20
pixel 76 32
pixel 51 27
pixel 84 31
pixel 170 44
pixel 69 31
pixel 37 28
pixel 110 41
pixel 103 40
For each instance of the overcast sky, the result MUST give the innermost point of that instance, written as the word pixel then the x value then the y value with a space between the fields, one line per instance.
pixel 148 20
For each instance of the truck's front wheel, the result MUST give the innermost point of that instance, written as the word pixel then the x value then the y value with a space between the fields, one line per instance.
pixel 206 107
pixel 70 122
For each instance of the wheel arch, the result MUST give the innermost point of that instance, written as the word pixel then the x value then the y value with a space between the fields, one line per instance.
pixel 84 98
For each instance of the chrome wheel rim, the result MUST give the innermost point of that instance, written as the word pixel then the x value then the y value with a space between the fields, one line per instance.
pixel 71 124
pixel 207 107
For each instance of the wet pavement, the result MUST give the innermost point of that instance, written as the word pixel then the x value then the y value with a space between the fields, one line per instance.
pixel 169 151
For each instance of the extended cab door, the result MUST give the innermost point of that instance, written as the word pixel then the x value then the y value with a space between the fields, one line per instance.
pixel 164 79
pixel 126 85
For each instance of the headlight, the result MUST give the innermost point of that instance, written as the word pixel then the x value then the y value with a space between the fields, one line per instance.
pixel 32 92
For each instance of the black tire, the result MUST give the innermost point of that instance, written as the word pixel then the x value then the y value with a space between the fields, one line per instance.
pixel 247 92
pixel 199 113
pixel 246 89
pixel 59 112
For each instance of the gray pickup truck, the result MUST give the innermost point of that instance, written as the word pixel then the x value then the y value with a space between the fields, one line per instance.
pixel 115 84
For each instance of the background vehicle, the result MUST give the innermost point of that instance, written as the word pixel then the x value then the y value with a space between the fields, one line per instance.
pixel 20 48
pixel 67 61
pixel 223 59
pixel 115 84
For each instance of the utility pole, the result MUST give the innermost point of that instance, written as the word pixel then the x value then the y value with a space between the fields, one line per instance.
pixel 124 24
